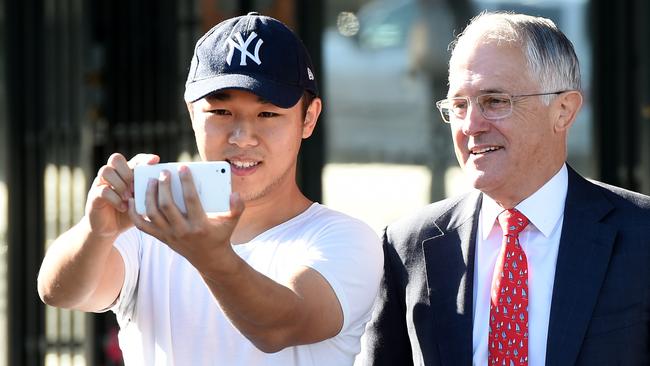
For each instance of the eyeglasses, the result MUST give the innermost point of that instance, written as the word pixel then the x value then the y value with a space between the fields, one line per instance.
pixel 492 105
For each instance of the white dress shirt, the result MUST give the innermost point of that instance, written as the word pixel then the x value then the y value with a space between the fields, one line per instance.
pixel 540 241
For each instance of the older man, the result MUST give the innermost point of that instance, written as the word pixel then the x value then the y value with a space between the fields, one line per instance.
pixel 537 266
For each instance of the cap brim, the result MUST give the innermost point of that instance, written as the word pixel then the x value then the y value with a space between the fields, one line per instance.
pixel 281 95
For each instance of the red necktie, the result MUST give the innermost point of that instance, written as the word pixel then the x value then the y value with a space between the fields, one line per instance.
pixel 508 338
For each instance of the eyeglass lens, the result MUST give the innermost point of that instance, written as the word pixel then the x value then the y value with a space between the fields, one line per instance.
pixel 492 106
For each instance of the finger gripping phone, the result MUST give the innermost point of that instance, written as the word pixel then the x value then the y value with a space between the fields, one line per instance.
pixel 211 179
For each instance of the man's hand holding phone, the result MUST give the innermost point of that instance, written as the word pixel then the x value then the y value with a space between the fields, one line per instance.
pixel 107 203
pixel 211 181
pixel 176 199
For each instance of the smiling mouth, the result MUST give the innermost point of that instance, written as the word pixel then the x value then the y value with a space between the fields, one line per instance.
pixel 238 164
pixel 484 150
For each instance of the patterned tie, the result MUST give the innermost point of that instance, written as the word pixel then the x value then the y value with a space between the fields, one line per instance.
pixel 508 338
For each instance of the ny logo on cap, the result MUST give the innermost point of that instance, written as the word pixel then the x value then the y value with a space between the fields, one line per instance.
pixel 243 49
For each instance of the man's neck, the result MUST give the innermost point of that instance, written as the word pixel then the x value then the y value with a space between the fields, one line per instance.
pixel 510 199
pixel 267 212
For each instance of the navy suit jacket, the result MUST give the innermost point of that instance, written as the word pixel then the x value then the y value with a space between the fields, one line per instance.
pixel 600 310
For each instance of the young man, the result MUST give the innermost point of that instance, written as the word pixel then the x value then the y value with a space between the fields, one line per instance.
pixel 537 266
pixel 283 281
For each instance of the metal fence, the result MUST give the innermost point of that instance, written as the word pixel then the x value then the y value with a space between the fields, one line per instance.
pixel 87 79
pixel 84 79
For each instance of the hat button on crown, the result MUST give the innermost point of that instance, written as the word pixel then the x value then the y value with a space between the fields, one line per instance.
pixel 253 13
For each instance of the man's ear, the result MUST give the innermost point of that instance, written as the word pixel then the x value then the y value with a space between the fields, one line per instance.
pixel 568 104
pixel 311 117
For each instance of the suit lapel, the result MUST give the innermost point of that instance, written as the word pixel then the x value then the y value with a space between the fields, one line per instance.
pixel 449 260
pixel 585 248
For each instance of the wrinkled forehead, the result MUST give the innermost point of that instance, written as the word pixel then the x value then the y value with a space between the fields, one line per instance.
pixel 486 65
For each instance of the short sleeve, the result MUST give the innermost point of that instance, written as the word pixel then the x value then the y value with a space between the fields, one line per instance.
pixel 129 245
pixel 348 254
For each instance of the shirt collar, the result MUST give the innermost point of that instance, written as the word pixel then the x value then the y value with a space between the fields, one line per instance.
pixel 544 208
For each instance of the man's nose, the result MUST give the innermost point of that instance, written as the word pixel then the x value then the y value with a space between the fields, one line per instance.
pixel 243 134
pixel 474 121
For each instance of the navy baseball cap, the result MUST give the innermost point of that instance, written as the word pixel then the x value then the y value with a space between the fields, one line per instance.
pixel 254 53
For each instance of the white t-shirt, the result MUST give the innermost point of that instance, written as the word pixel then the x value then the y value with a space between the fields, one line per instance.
pixel 168 316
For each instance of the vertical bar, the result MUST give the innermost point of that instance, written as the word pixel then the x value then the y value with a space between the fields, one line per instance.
pixel 310 20
pixel 24 22
pixel 4 196
pixel 615 85
pixel 52 97
pixel 630 141
pixel 607 105
pixel 643 32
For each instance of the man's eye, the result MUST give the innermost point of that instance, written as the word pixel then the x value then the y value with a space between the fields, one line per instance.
pixel 267 114
pixel 496 101
pixel 220 112
pixel 459 104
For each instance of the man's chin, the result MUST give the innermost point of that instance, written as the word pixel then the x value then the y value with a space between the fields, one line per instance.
pixel 478 179
pixel 251 196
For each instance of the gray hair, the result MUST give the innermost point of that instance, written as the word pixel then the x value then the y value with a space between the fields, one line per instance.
pixel 550 55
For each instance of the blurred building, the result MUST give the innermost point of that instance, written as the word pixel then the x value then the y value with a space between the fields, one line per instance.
pixel 81 79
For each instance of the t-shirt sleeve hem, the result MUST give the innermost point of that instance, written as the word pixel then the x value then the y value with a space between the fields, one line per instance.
pixel 338 291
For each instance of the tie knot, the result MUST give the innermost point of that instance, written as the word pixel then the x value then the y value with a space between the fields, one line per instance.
pixel 512 222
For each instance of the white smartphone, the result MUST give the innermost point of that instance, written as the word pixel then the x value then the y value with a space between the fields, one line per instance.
pixel 211 178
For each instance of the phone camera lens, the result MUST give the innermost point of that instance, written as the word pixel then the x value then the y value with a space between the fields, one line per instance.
pixel 223 170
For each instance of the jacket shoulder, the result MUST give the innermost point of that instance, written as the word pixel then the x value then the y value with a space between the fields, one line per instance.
pixel 623 197
pixel 433 219
pixel 633 206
